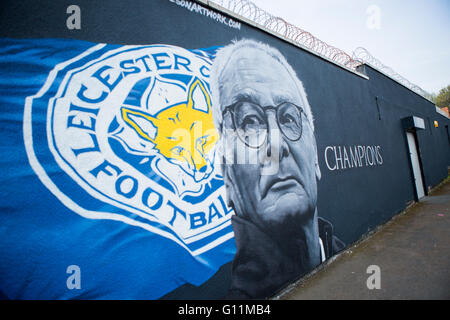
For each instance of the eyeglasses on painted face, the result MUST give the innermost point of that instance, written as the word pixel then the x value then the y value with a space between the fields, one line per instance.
pixel 251 123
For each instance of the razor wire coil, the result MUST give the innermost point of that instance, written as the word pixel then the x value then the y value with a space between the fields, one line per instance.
pixel 252 12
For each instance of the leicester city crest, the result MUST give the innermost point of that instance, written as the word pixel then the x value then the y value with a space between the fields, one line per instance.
pixel 130 136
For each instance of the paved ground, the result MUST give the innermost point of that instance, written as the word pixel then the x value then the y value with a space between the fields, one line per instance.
pixel 412 251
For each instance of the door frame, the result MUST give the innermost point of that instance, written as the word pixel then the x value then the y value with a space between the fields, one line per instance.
pixel 419 156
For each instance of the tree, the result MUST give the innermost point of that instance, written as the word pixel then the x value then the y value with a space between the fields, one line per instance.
pixel 443 97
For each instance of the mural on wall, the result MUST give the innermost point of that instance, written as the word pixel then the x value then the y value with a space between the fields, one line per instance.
pixel 261 109
pixel 134 129
pixel 212 150
pixel 124 138
pixel 198 162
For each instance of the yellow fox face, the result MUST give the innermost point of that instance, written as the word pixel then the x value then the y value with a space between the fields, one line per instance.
pixel 185 134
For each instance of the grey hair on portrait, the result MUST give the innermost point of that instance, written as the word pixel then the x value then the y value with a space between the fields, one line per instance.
pixel 220 62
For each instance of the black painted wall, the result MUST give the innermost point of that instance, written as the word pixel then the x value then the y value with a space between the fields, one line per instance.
pixel 349 110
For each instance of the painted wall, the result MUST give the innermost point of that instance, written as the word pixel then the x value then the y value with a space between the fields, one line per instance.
pixel 147 218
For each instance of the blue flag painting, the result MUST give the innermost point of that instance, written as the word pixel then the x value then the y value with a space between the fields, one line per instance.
pixel 108 168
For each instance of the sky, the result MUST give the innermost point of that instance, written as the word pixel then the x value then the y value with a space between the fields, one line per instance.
pixel 410 36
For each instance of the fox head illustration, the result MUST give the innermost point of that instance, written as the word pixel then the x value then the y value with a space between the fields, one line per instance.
pixel 185 132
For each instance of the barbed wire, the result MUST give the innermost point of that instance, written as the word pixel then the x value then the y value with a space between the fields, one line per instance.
pixel 363 56
pixel 252 12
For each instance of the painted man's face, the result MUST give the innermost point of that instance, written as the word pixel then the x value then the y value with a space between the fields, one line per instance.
pixel 277 184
